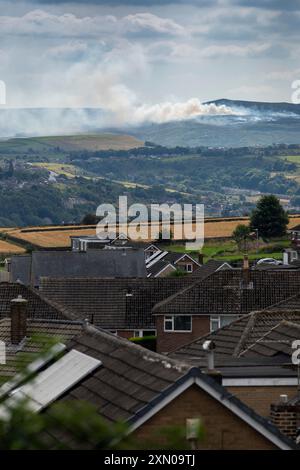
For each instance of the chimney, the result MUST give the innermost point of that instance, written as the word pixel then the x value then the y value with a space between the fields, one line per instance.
pixel 18 313
pixel 245 272
pixel 200 258
pixel 285 415
pixel 209 347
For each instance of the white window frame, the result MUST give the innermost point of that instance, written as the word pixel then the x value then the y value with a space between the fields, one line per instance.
pixel 294 255
pixel 168 318
pixel 138 333
pixel 218 318
pixel 189 268
pixel 214 318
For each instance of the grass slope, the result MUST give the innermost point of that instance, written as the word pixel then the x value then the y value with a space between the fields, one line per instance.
pixel 92 142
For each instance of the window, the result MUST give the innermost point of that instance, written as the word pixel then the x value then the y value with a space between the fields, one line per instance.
pixel 178 323
pixel 218 321
pixel 294 255
pixel 143 333
pixel 138 333
pixel 189 268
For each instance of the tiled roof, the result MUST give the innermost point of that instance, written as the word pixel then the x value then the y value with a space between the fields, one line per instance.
pixel 39 334
pixel 130 376
pixel 131 382
pixel 277 340
pixel 226 292
pixel 159 266
pixel 234 339
pixel 208 268
pixel 112 303
pixel 37 307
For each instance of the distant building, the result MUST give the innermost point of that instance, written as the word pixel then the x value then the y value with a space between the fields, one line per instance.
pixel 29 269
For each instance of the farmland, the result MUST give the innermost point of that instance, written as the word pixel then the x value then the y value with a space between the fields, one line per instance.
pixel 68 143
pixel 59 236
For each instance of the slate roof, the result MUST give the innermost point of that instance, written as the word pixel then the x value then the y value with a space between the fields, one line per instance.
pixel 234 339
pixel 94 263
pixel 226 292
pixel 111 303
pixel 39 333
pixel 37 306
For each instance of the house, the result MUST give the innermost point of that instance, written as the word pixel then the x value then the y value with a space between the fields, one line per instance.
pixel 30 268
pixel 163 263
pixel 292 255
pixel 122 305
pixel 143 389
pixel 253 354
pixel 87 242
pixel 218 300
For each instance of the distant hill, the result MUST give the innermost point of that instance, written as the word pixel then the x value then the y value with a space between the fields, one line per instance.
pixel 261 106
pixel 68 143
pixel 252 123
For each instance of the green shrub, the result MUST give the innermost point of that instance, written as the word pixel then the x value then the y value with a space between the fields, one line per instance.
pixel 148 342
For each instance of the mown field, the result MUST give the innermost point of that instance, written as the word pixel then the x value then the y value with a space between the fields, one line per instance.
pixel 65 143
pixel 59 236
pixel 7 248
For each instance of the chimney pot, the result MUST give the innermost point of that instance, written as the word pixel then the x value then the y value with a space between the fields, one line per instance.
pixel 18 313
pixel 283 398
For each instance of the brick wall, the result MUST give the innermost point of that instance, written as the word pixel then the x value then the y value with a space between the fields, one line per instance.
pixel 286 418
pixel 222 429
pixel 125 334
pixel 261 398
pixel 168 341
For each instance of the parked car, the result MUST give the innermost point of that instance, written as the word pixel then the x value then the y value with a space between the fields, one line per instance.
pixel 269 261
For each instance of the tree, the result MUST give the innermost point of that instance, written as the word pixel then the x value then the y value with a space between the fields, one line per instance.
pixel 269 217
pixel 241 235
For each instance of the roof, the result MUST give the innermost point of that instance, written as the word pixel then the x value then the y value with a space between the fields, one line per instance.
pixel 38 335
pixel 121 303
pixel 234 339
pixel 37 306
pixel 278 340
pixel 93 263
pixel 210 267
pixel 133 384
pixel 227 292
pixel 159 267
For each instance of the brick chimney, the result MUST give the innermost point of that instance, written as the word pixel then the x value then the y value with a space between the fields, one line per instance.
pixel 245 272
pixel 18 313
pixel 286 416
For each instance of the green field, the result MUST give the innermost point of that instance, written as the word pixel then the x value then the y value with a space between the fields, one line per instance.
pixel 292 158
pixel 91 142
pixel 228 251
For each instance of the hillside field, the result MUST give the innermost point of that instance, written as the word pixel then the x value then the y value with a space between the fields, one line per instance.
pixel 59 236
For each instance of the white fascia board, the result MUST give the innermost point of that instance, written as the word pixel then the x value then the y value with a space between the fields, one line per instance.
pixel 260 382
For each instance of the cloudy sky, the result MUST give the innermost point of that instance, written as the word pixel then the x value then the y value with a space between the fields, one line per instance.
pixel 113 53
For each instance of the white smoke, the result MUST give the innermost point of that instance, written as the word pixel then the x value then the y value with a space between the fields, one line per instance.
pixel 168 111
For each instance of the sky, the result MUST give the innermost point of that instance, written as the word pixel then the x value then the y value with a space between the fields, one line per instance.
pixel 146 56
